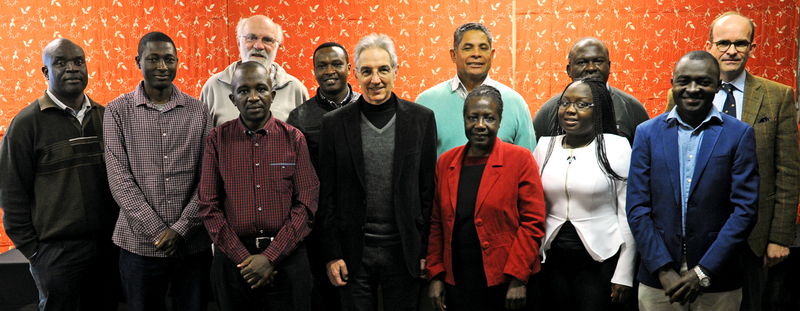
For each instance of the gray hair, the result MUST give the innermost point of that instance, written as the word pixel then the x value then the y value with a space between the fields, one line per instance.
pixel 459 33
pixel 269 22
pixel 375 40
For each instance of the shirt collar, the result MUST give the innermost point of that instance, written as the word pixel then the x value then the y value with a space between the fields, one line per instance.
pixel 335 104
pixel 86 104
pixel 140 97
pixel 713 113
pixel 738 82
pixel 456 84
pixel 264 130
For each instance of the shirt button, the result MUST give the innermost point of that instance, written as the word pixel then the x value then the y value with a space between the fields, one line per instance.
pixel 256 144
pixel 258 186
pixel 257 164
pixel 262 231
pixel 169 201
pixel 690 156
pixel 259 209
pixel 164 134
pixel 165 157
pixel 167 179
pixel 689 180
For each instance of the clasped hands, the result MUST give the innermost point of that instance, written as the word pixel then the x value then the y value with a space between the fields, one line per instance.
pixel 258 271
pixel 684 289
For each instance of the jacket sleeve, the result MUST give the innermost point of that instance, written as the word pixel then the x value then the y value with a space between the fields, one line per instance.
pixel 787 173
pixel 435 257
pixel 427 184
pixel 523 258
pixel 744 197
pixel 326 214
pixel 623 274
pixel 639 205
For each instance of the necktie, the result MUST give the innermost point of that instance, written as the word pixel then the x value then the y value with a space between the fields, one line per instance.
pixel 730 102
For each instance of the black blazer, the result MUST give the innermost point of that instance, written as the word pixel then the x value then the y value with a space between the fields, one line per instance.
pixel 342 210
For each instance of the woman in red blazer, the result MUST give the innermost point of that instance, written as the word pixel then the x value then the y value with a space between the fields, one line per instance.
pixel 488 217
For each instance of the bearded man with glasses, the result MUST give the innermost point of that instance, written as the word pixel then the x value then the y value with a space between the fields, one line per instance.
pixel 769 108
pixel 258 39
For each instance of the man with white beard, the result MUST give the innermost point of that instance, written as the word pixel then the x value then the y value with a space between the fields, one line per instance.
pixel 258 39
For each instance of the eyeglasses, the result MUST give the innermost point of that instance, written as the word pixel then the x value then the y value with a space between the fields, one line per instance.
pixel 252 39
pixel 578 105
pixel 740 45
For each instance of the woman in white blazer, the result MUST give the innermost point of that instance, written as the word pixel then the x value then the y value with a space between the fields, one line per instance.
pixel 588 253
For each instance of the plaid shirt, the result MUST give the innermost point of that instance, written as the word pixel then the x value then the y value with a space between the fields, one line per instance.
pixel 153 159
pixel 257 184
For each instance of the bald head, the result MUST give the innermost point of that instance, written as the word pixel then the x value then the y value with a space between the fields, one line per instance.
pixel 258 39
pixel 252 94
pixel 588 58
pixel 65 69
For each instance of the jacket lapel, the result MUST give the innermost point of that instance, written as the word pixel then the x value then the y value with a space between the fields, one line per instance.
pixel 403 139
pixel 490 174
pixel 669 144
pixel 752 99
pixel 710 137
pixel 352 129
pixel 453 174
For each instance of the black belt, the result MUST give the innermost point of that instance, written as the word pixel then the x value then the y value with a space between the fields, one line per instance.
pixel 257 242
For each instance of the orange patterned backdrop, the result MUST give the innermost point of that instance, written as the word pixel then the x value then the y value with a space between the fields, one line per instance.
pixel 532 37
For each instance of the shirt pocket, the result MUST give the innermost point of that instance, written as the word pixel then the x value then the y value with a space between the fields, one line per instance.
pixel 281 176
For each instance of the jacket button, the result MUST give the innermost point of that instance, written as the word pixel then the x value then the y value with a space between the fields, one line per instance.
pixel 478 222
pixel 485 245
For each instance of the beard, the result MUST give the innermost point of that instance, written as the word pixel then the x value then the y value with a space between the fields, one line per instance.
pixel 266 59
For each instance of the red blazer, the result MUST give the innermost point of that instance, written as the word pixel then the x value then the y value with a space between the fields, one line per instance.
pixel 509 214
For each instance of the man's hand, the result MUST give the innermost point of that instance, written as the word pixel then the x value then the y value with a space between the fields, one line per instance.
pixel 668 277
pixel 423 268
pixel 337 272
pixel 171 243
pixel 258 271
pixel 620 293
pixel 436 293
pixel 686 289
pixel 775 254
pixel 516 295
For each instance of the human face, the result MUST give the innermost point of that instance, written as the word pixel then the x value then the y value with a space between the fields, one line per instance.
pixel 65 70
pixel 732 29
pixel 376 75
pixel 474 56
pixel 481 122
pixel 694 85
pixel 331 70
pixel 159 64
pixel 589 60
pixel 252 95
pixel 258 42
pixel 577 123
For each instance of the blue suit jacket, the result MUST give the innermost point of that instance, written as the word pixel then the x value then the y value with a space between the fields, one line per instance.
pixel 722 203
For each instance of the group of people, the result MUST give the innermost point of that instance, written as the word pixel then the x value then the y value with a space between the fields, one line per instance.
pixel 345 200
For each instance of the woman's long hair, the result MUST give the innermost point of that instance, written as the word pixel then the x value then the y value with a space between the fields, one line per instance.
pixel 604 122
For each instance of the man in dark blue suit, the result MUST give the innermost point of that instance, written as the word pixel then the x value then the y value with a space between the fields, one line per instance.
pixel 692 196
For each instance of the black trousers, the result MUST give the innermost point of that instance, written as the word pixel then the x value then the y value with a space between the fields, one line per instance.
pixel 292 289
pixel 572 280
pixel 384 266
pixel 77 275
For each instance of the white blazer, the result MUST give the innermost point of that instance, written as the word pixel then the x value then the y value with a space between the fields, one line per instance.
pixel 595 204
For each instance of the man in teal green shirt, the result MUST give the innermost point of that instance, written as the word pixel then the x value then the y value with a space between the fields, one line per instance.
pixel 472 53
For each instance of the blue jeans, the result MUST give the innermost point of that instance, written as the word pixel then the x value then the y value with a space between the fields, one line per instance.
pixel 145 281
pixel 76 275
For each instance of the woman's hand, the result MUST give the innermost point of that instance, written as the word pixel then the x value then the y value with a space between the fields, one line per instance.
pixel 436 293
pixel 620 293
pixel 516 295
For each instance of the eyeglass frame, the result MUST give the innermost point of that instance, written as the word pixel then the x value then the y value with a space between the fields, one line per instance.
pixel 252 39
pixel 566 104
pixel 735 45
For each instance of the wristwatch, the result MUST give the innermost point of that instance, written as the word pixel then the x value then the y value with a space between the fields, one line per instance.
pixel 705 281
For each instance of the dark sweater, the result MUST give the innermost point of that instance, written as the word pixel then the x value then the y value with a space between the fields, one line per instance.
pixel 54 184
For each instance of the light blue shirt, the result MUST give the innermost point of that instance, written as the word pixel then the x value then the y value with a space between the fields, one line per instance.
pixel 689 140
pixel 738 95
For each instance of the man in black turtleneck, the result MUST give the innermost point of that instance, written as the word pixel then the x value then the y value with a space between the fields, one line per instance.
pixel 376 166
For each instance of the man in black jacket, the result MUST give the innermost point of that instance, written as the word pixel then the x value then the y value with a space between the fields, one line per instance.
pixel 377 160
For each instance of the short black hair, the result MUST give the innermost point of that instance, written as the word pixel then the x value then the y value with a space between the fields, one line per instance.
pixel 154 36
pixel 331 44
pixel 704 56
pixel 487 91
